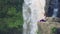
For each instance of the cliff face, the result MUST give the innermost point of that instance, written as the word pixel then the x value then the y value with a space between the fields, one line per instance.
pixel 46 27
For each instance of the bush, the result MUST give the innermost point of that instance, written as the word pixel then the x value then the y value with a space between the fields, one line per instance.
pixel 11 15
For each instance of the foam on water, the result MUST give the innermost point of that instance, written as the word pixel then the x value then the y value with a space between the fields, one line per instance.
pixel 33 11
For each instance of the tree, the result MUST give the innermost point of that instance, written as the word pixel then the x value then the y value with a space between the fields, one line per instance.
pixel 10 15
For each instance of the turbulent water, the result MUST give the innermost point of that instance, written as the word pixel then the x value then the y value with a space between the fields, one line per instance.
pixel 33 11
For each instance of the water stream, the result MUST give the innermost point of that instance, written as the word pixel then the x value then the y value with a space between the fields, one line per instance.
pixel 55 8
pixel 33 11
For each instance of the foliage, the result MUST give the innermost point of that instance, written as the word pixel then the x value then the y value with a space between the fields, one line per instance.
pixel 11 14
pixel 38 32
pixel 53 30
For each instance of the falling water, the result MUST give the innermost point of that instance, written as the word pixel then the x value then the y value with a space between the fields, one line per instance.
pixel 55 9
pixel 33 11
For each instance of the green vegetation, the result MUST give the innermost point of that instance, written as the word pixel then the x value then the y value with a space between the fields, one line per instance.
pixel 53 30
pixel 38 32
pixel 11 15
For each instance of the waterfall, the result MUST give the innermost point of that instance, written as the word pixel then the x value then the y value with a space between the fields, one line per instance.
pixel 55 11
pixel 33 11
pixel 55 8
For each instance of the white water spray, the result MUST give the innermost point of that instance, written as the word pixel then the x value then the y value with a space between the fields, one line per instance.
pixel 55 11
pixel 33 11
